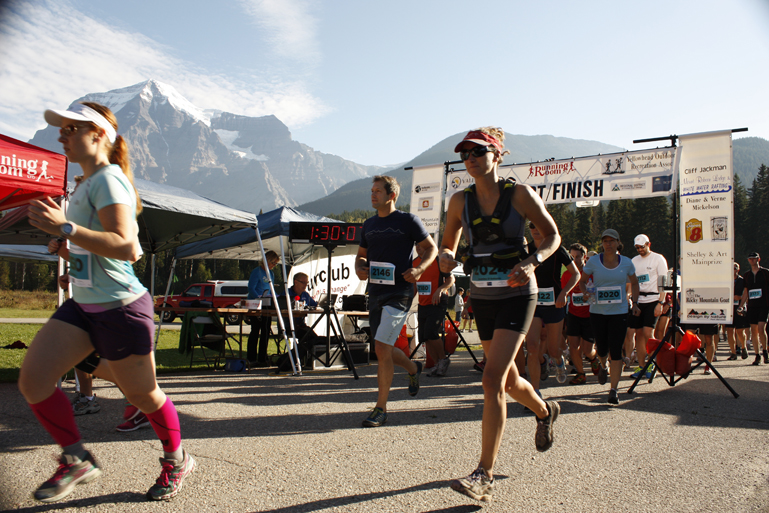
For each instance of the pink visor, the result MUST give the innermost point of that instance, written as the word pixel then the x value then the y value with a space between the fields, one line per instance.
pixel 478 137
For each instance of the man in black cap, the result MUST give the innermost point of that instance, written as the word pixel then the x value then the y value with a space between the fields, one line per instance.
pixel 756 295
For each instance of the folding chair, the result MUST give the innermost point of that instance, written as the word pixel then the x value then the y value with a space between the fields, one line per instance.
pixel 209 334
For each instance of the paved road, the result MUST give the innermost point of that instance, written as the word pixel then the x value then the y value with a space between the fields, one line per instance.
pixel 284 444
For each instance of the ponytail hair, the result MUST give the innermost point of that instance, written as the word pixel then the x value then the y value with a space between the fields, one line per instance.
pixel 117 151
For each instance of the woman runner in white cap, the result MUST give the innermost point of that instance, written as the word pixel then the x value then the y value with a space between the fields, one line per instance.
pixel 110 311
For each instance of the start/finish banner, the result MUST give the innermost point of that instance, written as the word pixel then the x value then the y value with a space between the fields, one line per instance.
pixel 628 175
pixel 707 228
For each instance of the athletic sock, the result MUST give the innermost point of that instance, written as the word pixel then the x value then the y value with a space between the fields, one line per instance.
pixel 55 414
pixel 76 450
pixel 165 422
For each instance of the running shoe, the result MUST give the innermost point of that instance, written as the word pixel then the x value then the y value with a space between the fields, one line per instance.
pixel 544 435
pixel 414 380
pixel 130 412
pixel 84 405
pixel 603 373
pixel 636 373
pixel 443 366
pixel 757 361
pixel 744 353
pixel 477 485
pixel 708 372
pixel 579 379
pixel 613 398
pixel 71 472
pixel 543 370
pixel 560 372
pixel 551 365
pixel 480 366
pixel 650 371
pixel 171 477
pixel 431 371
pixel 135 423
pixel 595 366
pixel 732 356
pixel 766 356
pixel 376 418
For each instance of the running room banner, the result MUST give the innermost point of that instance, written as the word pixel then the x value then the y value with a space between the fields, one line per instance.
pixel 426 195
pixel 707 228
pixel 628 175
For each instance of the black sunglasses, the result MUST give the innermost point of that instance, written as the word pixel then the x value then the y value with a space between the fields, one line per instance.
pixel 68 130
pixel 532 227
pixel 478 151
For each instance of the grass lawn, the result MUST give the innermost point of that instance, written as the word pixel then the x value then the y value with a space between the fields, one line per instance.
pixel 167 357
pixel 18 313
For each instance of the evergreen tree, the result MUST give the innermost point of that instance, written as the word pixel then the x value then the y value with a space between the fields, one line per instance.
pixel 583 226
pixel 740 223
pixel 619 217
pixel 651 216
pixel 758 205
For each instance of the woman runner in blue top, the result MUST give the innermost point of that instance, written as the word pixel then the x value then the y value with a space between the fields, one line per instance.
pixel 110 311
pixel 503 299
pixel 608 306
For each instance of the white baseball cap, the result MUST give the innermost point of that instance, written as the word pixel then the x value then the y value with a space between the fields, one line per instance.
pixel 640 240
pixel 80 112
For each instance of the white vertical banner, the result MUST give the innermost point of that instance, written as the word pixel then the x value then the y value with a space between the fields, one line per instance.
pixel 707 227
pixel 426 196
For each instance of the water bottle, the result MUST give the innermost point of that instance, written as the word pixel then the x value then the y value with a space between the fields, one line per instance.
pixel 591 291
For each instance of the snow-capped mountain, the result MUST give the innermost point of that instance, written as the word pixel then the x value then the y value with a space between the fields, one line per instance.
pixel 251 163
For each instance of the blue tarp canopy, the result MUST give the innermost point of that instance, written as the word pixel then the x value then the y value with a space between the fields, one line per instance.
pixel 243 244
pixel 25 253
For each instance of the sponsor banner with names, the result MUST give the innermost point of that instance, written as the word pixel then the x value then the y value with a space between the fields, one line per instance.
pixel 628 175
pixel 707 227
pixel 426 195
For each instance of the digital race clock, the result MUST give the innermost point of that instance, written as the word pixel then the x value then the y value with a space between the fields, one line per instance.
pixel 325 234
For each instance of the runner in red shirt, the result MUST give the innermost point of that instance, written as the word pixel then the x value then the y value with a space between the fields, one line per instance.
pixel 578 328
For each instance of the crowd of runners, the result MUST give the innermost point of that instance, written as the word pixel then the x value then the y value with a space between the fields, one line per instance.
pixel 540 309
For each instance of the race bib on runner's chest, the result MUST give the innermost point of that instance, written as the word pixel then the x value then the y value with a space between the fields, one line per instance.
pixel 609 295
pixel 80 267
pixel 382 273
pixel 424 288
pixel 489 276
pixel 754 294
pixel 643 278
pixel 546 297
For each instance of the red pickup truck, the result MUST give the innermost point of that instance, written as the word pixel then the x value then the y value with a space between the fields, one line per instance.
pixel 216 293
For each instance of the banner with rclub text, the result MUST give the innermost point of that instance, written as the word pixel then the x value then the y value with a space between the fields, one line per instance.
pixel 628 175
pixel 707 228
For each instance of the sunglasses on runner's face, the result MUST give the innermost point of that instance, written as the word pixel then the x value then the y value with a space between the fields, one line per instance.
pixel 532 227
pixel 477 152
pixel 68 130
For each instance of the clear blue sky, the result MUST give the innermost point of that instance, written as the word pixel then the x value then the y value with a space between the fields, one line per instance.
pixel 380 82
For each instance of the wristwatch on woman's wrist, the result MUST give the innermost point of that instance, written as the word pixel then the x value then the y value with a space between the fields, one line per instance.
pixel 68 229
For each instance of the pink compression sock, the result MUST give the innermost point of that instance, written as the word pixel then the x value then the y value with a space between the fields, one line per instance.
pixel 165 422
pixel 55 414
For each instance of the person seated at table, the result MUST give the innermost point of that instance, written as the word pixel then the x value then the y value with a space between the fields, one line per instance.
pixel 298 292
pixel 259 286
